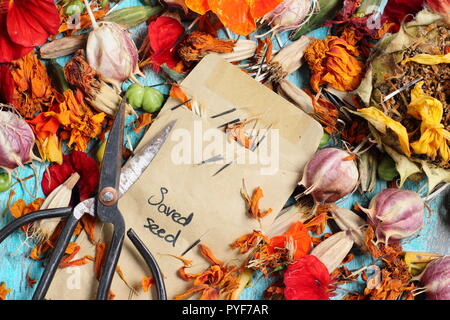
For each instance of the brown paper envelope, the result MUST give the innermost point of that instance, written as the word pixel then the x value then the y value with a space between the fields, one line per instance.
pixel 214 200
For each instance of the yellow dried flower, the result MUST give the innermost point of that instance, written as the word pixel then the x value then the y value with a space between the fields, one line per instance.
pixel 434 137
pixel 428 59
pixel 381 122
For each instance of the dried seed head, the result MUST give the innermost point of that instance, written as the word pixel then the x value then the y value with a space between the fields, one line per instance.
pixel 332 251
pixel 395 214
pixel 296 95
pixel 289 58
pixel 436 279
pixel 347 220
pixel 290 14
pixel 111 51
pixel 330 175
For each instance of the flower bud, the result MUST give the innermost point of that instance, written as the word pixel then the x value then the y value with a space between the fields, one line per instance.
pixel 395 214
pixel 436 279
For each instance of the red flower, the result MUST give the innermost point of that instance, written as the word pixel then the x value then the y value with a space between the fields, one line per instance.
pixel 307 279
pixel 396 10
pixel 79 162
pixel 163 34
pixel 25 24
pixel 9 50
pixel 6 83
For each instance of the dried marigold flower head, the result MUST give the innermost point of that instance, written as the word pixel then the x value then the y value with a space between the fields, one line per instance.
pixel 333 61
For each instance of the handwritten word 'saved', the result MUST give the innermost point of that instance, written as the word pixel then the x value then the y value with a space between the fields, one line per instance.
pixel 173 214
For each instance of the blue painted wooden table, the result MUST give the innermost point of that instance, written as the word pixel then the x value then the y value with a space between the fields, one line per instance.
pixel 15 264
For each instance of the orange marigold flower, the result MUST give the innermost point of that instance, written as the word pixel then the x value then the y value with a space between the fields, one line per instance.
pixel 333 61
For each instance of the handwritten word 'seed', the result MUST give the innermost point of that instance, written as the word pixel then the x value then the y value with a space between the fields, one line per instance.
pixel 173 214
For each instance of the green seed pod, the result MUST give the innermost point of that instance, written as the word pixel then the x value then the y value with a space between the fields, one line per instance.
pixel 5 181
pixel 324 140
pixel 132 16
pixel 153 100
pixel 104 3
pixel 74 7
pixel 135 95
pixel 387 170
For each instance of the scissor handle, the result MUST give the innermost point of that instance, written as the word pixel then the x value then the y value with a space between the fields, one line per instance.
pixel 112 258
pixel 55 258
pixel 32 217
pixel 151 262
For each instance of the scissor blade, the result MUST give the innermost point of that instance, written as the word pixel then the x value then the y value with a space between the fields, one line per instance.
pixel 134 168
pixel 112 163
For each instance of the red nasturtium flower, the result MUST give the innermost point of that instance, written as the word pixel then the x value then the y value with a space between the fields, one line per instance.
pixel 307 279
pixel 25 24
pixel 163 34
pixel 79 162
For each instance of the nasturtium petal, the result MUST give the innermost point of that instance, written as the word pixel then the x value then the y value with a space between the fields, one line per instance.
pixel 10 50
pixel 235 15
pixel 258 8
pixel 30 23
pixel 198 6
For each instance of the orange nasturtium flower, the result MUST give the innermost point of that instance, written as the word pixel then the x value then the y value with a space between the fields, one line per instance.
pixel 237 15
pixel 333 61
pixel 298 234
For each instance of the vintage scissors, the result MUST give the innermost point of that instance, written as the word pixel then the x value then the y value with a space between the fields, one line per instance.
pixel 115 180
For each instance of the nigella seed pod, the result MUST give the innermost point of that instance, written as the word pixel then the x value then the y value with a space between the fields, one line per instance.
pixel 111 52
pixel 436 279
pixel 330 175
pixel 290 14
pixel 16 139
pixel 395 214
